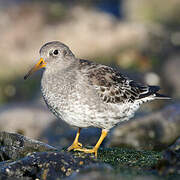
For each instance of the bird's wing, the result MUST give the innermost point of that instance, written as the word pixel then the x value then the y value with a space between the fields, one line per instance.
pixel 112 86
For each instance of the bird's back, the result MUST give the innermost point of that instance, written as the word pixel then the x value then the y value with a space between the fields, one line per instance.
pixel 114 87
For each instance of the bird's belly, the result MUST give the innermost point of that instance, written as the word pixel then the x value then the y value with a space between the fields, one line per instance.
pixel 85 116
pixel 84 112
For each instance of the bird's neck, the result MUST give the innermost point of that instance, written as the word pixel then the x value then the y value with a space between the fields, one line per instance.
pixel 57 74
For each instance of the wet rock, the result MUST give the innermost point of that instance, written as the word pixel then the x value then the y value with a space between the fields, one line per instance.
pixel 176 145
pixel 154 131
pixel 29 159
pixel 14 146
pixel 24 157
pixel 46 165
pixel 170 164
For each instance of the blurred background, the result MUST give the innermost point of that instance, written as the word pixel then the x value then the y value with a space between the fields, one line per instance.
pixel 139 37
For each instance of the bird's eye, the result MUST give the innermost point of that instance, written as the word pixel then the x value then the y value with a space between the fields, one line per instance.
pixel 56 52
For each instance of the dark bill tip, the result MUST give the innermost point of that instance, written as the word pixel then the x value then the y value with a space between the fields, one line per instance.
pixel 25 77
pixel 35 68
pixel 28 74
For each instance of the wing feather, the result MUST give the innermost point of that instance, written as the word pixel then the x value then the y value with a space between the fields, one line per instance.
pixel 112 86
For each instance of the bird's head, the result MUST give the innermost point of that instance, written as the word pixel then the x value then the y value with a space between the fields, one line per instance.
pixel 52 54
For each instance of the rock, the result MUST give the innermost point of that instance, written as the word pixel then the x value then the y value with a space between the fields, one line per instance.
pixel 29 159
pixel 24 157
pixel 154 131
pixel 170 164
pixel 176 145
pixel 14 146
pixel 46 165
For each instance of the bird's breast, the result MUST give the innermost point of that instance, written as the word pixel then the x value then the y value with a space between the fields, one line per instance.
pixel 56 90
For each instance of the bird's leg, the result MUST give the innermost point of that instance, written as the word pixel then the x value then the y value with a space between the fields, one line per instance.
pixel 96 147
pixel 76 144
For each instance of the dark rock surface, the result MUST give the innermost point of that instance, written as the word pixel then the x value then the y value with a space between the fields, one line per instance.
pixel 46 165
pixel 170 164
pixel 15 146
pixel 154 131
pixel 23 158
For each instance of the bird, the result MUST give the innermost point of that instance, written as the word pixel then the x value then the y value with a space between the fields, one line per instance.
pixel 86 94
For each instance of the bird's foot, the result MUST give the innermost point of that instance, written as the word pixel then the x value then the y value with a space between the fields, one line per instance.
pixel 75 146
pixel 94 150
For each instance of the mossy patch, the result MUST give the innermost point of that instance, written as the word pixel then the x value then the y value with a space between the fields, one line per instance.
pixel 129 157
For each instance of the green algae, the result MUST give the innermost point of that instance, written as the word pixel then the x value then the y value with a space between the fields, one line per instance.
pixel 129 157
pixel 131 163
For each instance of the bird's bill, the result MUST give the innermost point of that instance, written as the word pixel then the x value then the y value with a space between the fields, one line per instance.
pixel 38 66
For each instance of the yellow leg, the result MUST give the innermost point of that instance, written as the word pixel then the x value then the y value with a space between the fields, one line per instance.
pixel 96 147
pixel 76 144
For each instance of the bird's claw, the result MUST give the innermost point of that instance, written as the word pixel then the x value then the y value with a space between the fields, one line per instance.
pixel 75 146
pixel 94 150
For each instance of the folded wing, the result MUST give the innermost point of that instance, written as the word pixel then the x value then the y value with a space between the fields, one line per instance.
pixel 114 87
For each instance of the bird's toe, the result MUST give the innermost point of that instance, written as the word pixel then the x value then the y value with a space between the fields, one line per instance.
pixel 75 146
pixel 90 151
pixel 79 144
